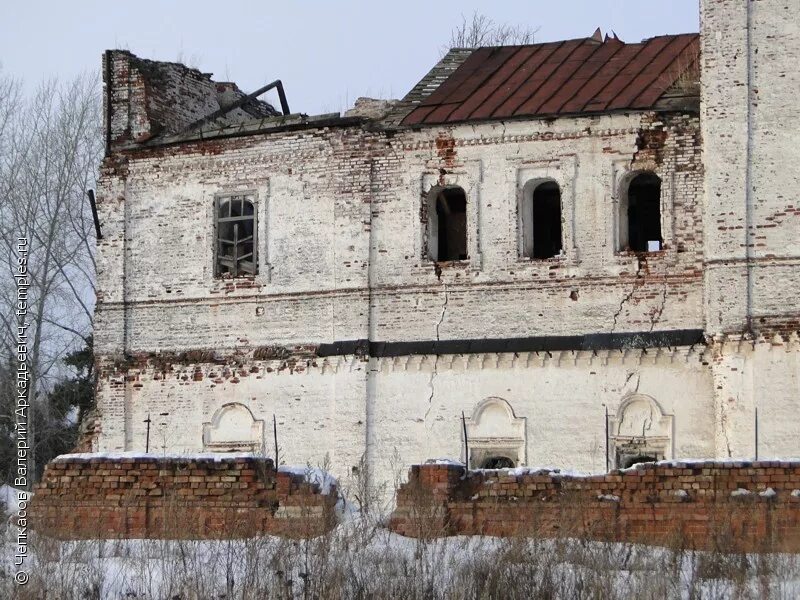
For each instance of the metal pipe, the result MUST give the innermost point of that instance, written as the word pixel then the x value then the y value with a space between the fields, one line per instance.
pixel 147 439
pixel 241 102
pixel 466 440
pixel 282 97
pixel 95 217
pixel 275 438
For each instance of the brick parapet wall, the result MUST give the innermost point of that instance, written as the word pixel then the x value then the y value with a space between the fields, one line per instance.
pixel 705 505
pixel 195 498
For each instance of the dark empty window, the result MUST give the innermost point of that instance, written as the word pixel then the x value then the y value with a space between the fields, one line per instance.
pixel 236 236
pixel 498 462
pixel 626 461
pixel 644 213
pixel 546 220
pixel 447 225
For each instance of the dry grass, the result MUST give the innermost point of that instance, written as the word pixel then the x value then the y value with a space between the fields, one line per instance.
pixel 342 565
pixel 363 560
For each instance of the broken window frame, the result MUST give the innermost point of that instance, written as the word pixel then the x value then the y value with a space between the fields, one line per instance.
pixel 238 266
pixel 526 220
pixel 433 225
pixel 624 214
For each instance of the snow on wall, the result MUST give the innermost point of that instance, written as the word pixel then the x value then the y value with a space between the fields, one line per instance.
pixel 745 506
pixel 194 496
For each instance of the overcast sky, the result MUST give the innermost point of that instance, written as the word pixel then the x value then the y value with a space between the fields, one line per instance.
pixel 326 53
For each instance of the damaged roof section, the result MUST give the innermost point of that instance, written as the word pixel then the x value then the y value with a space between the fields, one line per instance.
pixel 150 103
pixel 591 75
pixel 146 99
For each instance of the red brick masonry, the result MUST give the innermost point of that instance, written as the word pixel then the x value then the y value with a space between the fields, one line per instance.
pixel 703 505
pixel 192 497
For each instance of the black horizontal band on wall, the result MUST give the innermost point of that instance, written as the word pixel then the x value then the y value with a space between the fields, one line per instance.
pixel 555 343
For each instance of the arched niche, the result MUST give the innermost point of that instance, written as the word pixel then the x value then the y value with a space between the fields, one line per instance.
pixel 233 427
pixel 640 431
pixel 495 435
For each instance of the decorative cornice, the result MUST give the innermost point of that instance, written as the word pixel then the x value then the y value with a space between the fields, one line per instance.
pixel 217 374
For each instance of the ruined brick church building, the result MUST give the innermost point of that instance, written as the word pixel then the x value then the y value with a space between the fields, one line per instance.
pixel 590 248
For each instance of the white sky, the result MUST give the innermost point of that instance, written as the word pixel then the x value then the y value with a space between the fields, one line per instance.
pixel 326 53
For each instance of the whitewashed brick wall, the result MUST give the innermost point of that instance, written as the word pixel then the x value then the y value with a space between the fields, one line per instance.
pixel 750 121
pixel 341 258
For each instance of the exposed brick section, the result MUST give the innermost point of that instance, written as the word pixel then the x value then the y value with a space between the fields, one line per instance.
pixel 192 498
pixel 693 504
pixel 146 98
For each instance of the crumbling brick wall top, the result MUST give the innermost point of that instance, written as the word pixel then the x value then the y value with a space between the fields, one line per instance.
pixel 146 98
pixel 739 505
pixel 195 497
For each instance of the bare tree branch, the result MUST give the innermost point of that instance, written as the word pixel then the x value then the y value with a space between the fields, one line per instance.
pixel 479 30
pixel 50 146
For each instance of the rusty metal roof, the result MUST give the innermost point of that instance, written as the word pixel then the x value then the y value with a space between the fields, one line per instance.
pixel 588 75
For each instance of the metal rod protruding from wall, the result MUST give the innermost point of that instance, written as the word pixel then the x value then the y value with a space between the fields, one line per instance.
pixel 148 420
pixel 95 217
pixel 466 440
pixel 241 102
pixel 282 97
pixel 275 439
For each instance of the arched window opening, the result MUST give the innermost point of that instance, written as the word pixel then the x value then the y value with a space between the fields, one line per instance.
pixel 643 212
pixel 546 220
pixel 236 237
pixel 447 224
pixel 498 462
pixel 541 220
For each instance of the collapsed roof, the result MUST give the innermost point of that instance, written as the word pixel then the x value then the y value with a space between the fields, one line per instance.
pixel 146 99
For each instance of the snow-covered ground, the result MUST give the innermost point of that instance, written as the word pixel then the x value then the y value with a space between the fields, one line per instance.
pixel 361 559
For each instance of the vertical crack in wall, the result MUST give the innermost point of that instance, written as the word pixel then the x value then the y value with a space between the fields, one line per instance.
pixel 625 299
pixel 655 314
pixel 723 419
pixel 436 355
pixel 630 376
pixel 647 423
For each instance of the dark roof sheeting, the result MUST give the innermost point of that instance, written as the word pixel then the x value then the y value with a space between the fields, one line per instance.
pixel 559 78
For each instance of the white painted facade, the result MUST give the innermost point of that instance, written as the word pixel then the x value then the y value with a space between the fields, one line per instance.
pixel 342 256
